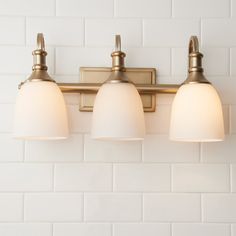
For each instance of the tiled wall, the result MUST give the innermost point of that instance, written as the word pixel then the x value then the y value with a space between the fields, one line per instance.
pixel 90 188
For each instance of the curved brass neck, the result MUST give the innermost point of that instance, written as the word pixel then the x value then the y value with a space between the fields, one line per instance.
pixel 39 55
pixel 195 57
pixel 195 70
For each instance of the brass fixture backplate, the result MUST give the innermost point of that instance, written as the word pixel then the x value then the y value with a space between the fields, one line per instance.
pixel 145 76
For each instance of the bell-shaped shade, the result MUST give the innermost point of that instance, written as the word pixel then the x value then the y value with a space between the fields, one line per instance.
pixel 197 114
pixel 40 112
pixel 118 113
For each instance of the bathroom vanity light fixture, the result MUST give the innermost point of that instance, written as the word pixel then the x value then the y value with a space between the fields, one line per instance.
pixel 40 111
pixel 196 110
pixel 122 96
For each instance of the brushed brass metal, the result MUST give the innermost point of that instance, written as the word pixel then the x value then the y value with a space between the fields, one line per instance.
pixel 195 70
pixel 39 69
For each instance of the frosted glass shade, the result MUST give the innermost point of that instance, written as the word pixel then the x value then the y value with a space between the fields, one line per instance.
pixel 197 114
pixel 118 113
pixel 40 112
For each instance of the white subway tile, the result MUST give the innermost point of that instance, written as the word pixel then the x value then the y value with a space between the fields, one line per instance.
pixel 158 58
pixel 112 207
pixel 27 7
pixel 25 229
pixel 158 121
pixel 12 30
pixel 219 208
pixel 69 60
pixel 142 177
pixel 70 149
pixel 11 149
pixel 220 151
pixel 158 148
pixel 85 229
pixel 6 118
pixel 141 229
pixel 25 177
pixel 9 89
pixel 83 177
pixel 11 206
pixel 142 8
pixel 169 32
pixel 201 178
pixel 171 207
pixel 53 207
pixel 21 59
pixel 79 121
pixel 100 151
pixel 87 8
pixel 216 61
pixel 219 32
pixel 129 29
pixel 57 31
pixel 225 87
pixel 197 229
pixel 179 62
pixel 201 8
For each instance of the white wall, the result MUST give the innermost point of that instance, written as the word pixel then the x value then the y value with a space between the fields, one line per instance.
pixel 88 188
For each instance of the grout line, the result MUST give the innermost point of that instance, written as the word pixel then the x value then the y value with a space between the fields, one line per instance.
pixel 142 207
pixel 200 148
pixel 171 179
pixel 84 29
pixel 142 30
pixel 172 8
pixel 83 148
pixel 55 7
pixel 23 207
pixel 114 8
pixel 113 177
pixel 25 35
pixel 82 205
pixel 171 228
pixel 52 229
pixel 201 208
pixel 53 177
pixel 112 229
pixel 231 8
pixel 230 178
pixel 24 151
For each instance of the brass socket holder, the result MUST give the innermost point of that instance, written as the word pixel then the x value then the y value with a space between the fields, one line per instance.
pixel 195 70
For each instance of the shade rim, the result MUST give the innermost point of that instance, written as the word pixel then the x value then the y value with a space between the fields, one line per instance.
pixel 40 138
pixel 189 140
pixel 102 138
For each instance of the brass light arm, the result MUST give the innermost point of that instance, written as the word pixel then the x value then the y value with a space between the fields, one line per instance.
pixel 94 87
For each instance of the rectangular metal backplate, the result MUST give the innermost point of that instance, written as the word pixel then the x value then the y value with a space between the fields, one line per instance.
pixel 100 75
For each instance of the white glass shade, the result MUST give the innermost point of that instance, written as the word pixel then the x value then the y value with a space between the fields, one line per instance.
pixel 40 112
pixel 118 113
pixel 197 114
